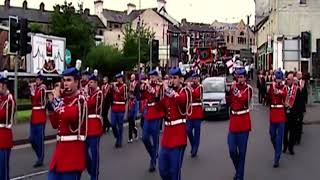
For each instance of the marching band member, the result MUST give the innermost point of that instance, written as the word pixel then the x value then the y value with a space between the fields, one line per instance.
pixel 7 110
pixel 118 108
pixel 38 118
pixel 107 97
pixel 293 104
pixel 152 92
pixel 238 99
pixel 84 82
pixel 70 119
pixel 276 98
pixel 94 129
pixel 196 115
pixel 133 107
pixel 174 140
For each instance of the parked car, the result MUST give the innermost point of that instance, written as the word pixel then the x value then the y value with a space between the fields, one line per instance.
pixel 214 98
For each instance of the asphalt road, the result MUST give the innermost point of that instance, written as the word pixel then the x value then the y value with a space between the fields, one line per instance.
pixel 213 162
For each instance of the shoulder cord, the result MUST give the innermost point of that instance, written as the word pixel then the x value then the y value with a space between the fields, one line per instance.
pixel 9 119
pixel 82 114
pixel 188 104
pixel 43 100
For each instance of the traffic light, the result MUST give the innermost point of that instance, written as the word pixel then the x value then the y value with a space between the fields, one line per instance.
pixel 25 47
pixel 305 44
pixel 14 35
pixel 155 51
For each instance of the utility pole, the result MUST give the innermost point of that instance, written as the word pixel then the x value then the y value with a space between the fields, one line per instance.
pixel 150 42
pixel 139 42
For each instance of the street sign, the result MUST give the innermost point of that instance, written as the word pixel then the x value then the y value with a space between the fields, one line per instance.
pixel 68 57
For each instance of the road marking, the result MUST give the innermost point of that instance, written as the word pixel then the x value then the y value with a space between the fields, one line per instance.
pixel 30 175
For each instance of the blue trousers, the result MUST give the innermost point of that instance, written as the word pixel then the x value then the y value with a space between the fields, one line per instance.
pixel 117 119
pixel 194 131
pixel 237 148
pixel 170 163
pixel 92 143
pixel 134 111
pixel 53 175
pixel 4 163
pixel 276 134
pixel 37 140
pixel 151 132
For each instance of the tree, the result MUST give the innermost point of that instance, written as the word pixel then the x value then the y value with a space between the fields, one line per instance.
pixel 108 60
pixel 130 45
pixel 71 24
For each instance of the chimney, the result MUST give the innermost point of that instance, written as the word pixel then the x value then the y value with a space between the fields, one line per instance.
pixel 184 21
pixel 25 4
pixel 7 3
pixel 161 4
pixel 131 7
pixel 98 7
pixel 87 11
pixel 42 6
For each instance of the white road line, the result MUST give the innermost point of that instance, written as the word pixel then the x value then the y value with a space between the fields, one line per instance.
pixel 30 175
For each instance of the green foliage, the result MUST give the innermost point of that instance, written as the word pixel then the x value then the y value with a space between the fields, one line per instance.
pixel 108 60
pixel 35 27
pixel 23 116
pixel 130 45
pixel 71 24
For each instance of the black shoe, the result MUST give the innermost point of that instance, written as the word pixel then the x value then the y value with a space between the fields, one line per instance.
pixel 284 150
pixel 117 146
pixel 38 164
pixel 193 155
pixel 291 152
pixel 275 165
pixel 152 169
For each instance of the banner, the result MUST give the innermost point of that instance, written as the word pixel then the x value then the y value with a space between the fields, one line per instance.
pixel 48 54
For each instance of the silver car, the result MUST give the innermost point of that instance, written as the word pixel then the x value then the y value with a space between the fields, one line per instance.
pixel 214 98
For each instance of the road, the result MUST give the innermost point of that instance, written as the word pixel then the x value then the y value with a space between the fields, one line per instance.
pixel 213 162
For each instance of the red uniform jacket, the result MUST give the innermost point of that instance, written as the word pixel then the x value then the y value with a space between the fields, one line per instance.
pixel 197 109
pixel 175 135
pixel 6 139
pixel 152 95
pixel 68 155
pixel 94 113
pixel 277 109
pixel 38 101
pixel 119 94
pixel 238 100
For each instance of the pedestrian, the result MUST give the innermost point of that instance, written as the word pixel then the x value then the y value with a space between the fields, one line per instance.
pixel 239 98
pixel 94 128
pixel 107 99
pixel 133 107
pixel 38 118
pixel 276 96
pixel 251 70
pixel 7 111
pixel 195 117
pixel 118 108
pixel 152 92
pixel 304 95
pixel 69 118
pixel 174 139
pixel 293 104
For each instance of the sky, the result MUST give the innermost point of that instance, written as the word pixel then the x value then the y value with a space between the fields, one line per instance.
pixel 205 11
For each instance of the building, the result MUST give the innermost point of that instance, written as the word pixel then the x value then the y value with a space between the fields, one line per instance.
pixel 239 37
pixel 198 35
pixel 262 9
pixel 157 19
pixel 278 35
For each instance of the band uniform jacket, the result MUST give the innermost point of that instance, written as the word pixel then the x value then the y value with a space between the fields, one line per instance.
pixel 277 103
pixel 38 101
pixel 238 99
pixel 69 155
pixel 7 109
pixel 94 113
pixel 175 129
pixel 151 95
pixel 119 97
pixel 197 109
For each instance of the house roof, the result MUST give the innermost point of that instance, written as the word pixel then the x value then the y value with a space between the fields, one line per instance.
pixel 36 15
pixel 201 27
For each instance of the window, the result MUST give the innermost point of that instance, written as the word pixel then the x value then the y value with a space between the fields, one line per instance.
pixel 231 39
pixel 116 26
pixel 244 40
pixel 227 39
pixel 250 41
pixel 241 33
pixel 303 1
pixel 119 36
